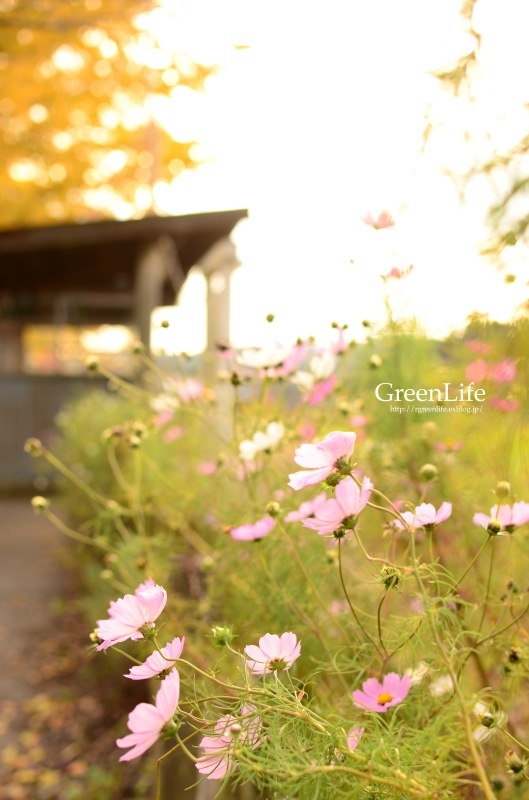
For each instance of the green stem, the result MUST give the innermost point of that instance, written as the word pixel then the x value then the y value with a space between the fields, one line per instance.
pixel 488 794
pixel 79 537
pixel 117 381
pixel 487 591
pixel 305 574
pixel 116 469
pixel 373 558
pixel 514 739
pixel 505 627
pixel 351 606
pixel 68 473
pixel 126 655
pixel 379 622
pixel 465 573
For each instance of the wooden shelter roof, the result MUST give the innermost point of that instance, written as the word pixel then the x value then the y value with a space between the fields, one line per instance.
pixel 101 256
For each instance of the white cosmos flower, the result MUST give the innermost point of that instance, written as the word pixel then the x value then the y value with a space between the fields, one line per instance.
pixel 321 367
pixel 418 672
pixel 481 732
pixel 443 685
pixel 264 357
pixel 262 440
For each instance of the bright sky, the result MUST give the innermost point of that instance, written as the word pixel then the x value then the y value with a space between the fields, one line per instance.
pixel 320 121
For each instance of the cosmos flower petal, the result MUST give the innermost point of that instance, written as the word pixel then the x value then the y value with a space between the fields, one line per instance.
pixel 168 695
pixel 304 478
pixel 139 743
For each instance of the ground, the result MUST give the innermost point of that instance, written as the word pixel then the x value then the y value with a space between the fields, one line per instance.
pixel 61 706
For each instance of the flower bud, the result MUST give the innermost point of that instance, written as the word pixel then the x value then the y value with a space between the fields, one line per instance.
pixel 207 563
pixel 494 526
pixel 39 504
pixel 270 317
pixel 33 447
pixel 138 348
pixel 273 508
pixel 486 719
pixel 222 635
pixel 164 323
pixel 390 576
pixel 513 762
pixel 514 656
pixel 92 363
pixel 138 428
pixel 375 361
pixel 235 379
pixel 428 472
pixel 503 489
pixel 112 433
pixel 235 729
pixel 134 442
pixel 106 574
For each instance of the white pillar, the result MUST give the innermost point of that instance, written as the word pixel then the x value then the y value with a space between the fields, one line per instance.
pixel 158 263
pixel 217 265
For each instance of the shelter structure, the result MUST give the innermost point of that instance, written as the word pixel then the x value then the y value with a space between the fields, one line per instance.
pixel 96 273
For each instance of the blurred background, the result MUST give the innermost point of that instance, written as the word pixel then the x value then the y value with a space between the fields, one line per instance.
pixel 309 118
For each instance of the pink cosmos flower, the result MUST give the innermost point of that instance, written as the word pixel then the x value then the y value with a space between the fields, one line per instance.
pixel 448 446
pixel 425 516
pixel 307 430
pixel 189 389
pixel 317 393
pixel 477 371
pixel 503 404
pixel 147 721
pixel 342 510
pixel 376 696
pixel 307 509
pixel 509 518
pixel 274 653
pixel 321 459
pixel 249 533
pixel 207 468
pixel 359 421
pixel 503 372
pixel 353 737
pixel 384 220
pixel 230 730
pixel 148 583
pixel 129 615
pixel 291 362
pixel 158 662
pixel 398 272
pixel 172 433
pixel 163 418
pixel 340 345
pixel 479 348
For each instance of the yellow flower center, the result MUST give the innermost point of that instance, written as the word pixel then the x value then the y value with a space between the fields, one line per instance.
pixel 384 698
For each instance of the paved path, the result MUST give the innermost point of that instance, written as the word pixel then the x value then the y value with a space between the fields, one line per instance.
pixel 31 577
